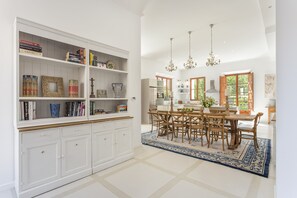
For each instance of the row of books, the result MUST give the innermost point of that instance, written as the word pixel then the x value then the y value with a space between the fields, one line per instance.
pixel 78 57
pixel 29 47
pixel 30 86
pixel 75 109
pixel 28 110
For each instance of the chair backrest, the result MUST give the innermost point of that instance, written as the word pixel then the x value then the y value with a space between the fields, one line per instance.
pixel 257 119
pixel 215 120
pixel 195 118
pixel 178 117
pixel 163 116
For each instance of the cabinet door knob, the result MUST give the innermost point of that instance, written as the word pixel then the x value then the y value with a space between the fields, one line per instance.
pixel 76 144
pixel 42 152
pixel 104 138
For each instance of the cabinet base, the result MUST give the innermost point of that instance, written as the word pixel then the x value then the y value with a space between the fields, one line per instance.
pixel 52 185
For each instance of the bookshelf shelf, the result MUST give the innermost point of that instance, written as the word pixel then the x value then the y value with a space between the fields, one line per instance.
pixel 44 121
pixel 109 70
pixel 50 98
pixel 42 59
pixel 108 115
pixel 107 99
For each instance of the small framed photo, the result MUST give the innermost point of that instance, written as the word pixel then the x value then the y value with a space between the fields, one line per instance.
pixel 52 86
pixel 101 93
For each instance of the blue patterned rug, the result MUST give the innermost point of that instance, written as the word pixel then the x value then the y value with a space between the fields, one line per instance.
pixel 244 158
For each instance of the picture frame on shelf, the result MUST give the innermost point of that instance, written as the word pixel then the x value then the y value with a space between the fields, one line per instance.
pixel 101 93
pixel 52 86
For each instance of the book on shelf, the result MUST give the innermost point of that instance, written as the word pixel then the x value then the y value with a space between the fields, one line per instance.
pixel 74 109
pixel 29 43
pixel 24 51
pixel 73 88
pixel 92 108
pixel 30 86
pixel 29 47
pixel 78 57
pixel 28 110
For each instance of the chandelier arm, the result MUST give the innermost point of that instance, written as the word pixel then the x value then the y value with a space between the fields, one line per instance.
pixel 171 49
pixel 190 43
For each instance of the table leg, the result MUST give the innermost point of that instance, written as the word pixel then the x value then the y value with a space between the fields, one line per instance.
pixel 234 135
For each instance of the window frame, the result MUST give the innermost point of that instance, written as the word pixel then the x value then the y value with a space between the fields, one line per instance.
pixel 167 79
pixel 197 79
pixel 237 89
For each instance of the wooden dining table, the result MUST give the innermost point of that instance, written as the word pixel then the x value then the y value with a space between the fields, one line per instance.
pixel 234 118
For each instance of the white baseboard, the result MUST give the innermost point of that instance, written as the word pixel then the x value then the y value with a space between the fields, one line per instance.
pixel 6 186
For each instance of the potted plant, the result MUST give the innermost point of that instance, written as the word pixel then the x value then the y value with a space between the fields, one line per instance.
pixel 207 102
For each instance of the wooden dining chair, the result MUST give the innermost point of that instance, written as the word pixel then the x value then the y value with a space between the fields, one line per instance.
pixel 196 126
pixel 216 129
pixel 163 123
pixel 154 119
pixel 179 124
pixel 249 131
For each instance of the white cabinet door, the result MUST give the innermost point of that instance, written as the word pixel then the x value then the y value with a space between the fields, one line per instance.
pixel 76 154
pixel 103 145
pixel 122 141
pixel 40 163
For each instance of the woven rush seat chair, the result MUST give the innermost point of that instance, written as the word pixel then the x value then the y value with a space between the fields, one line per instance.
pixel 249 130
pixel 179 125
pixel 196 126
pixel 154 119
pixel 216 129
pixel 163 123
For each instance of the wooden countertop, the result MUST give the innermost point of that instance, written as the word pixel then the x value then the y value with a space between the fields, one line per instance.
pixel 48 126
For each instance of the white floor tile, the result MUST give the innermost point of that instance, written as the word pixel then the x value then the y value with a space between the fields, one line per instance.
pixel 187 189
pixel 95 190
pixel 115 168
pixel 266 188
pixel 224 178
pixel 68 187
pixel 171 161
pixel 139 180
pixel 146 151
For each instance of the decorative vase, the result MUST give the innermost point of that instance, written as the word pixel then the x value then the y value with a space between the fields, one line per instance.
pixel 55 110
pixel 206 110
pixel 117 89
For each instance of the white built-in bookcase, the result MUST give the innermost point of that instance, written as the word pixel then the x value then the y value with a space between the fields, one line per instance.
pixel 55 44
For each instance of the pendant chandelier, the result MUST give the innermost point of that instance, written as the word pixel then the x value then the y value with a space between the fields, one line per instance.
pixel 171 67
pixel 190 64
pixel 212 60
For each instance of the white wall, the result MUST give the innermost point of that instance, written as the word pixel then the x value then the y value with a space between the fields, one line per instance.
pixel 150 68
pixel 260 67
pixel 99 20
pixel 286 135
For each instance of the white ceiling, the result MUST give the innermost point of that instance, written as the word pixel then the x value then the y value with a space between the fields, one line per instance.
pixel 239 31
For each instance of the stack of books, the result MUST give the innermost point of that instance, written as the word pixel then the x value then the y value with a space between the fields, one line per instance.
pixel 122 108
pixel 28 110
pixel 32 48
pixel 78 57
pixel 75 109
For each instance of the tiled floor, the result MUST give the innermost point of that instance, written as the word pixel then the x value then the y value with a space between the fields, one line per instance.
pixel 158 173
